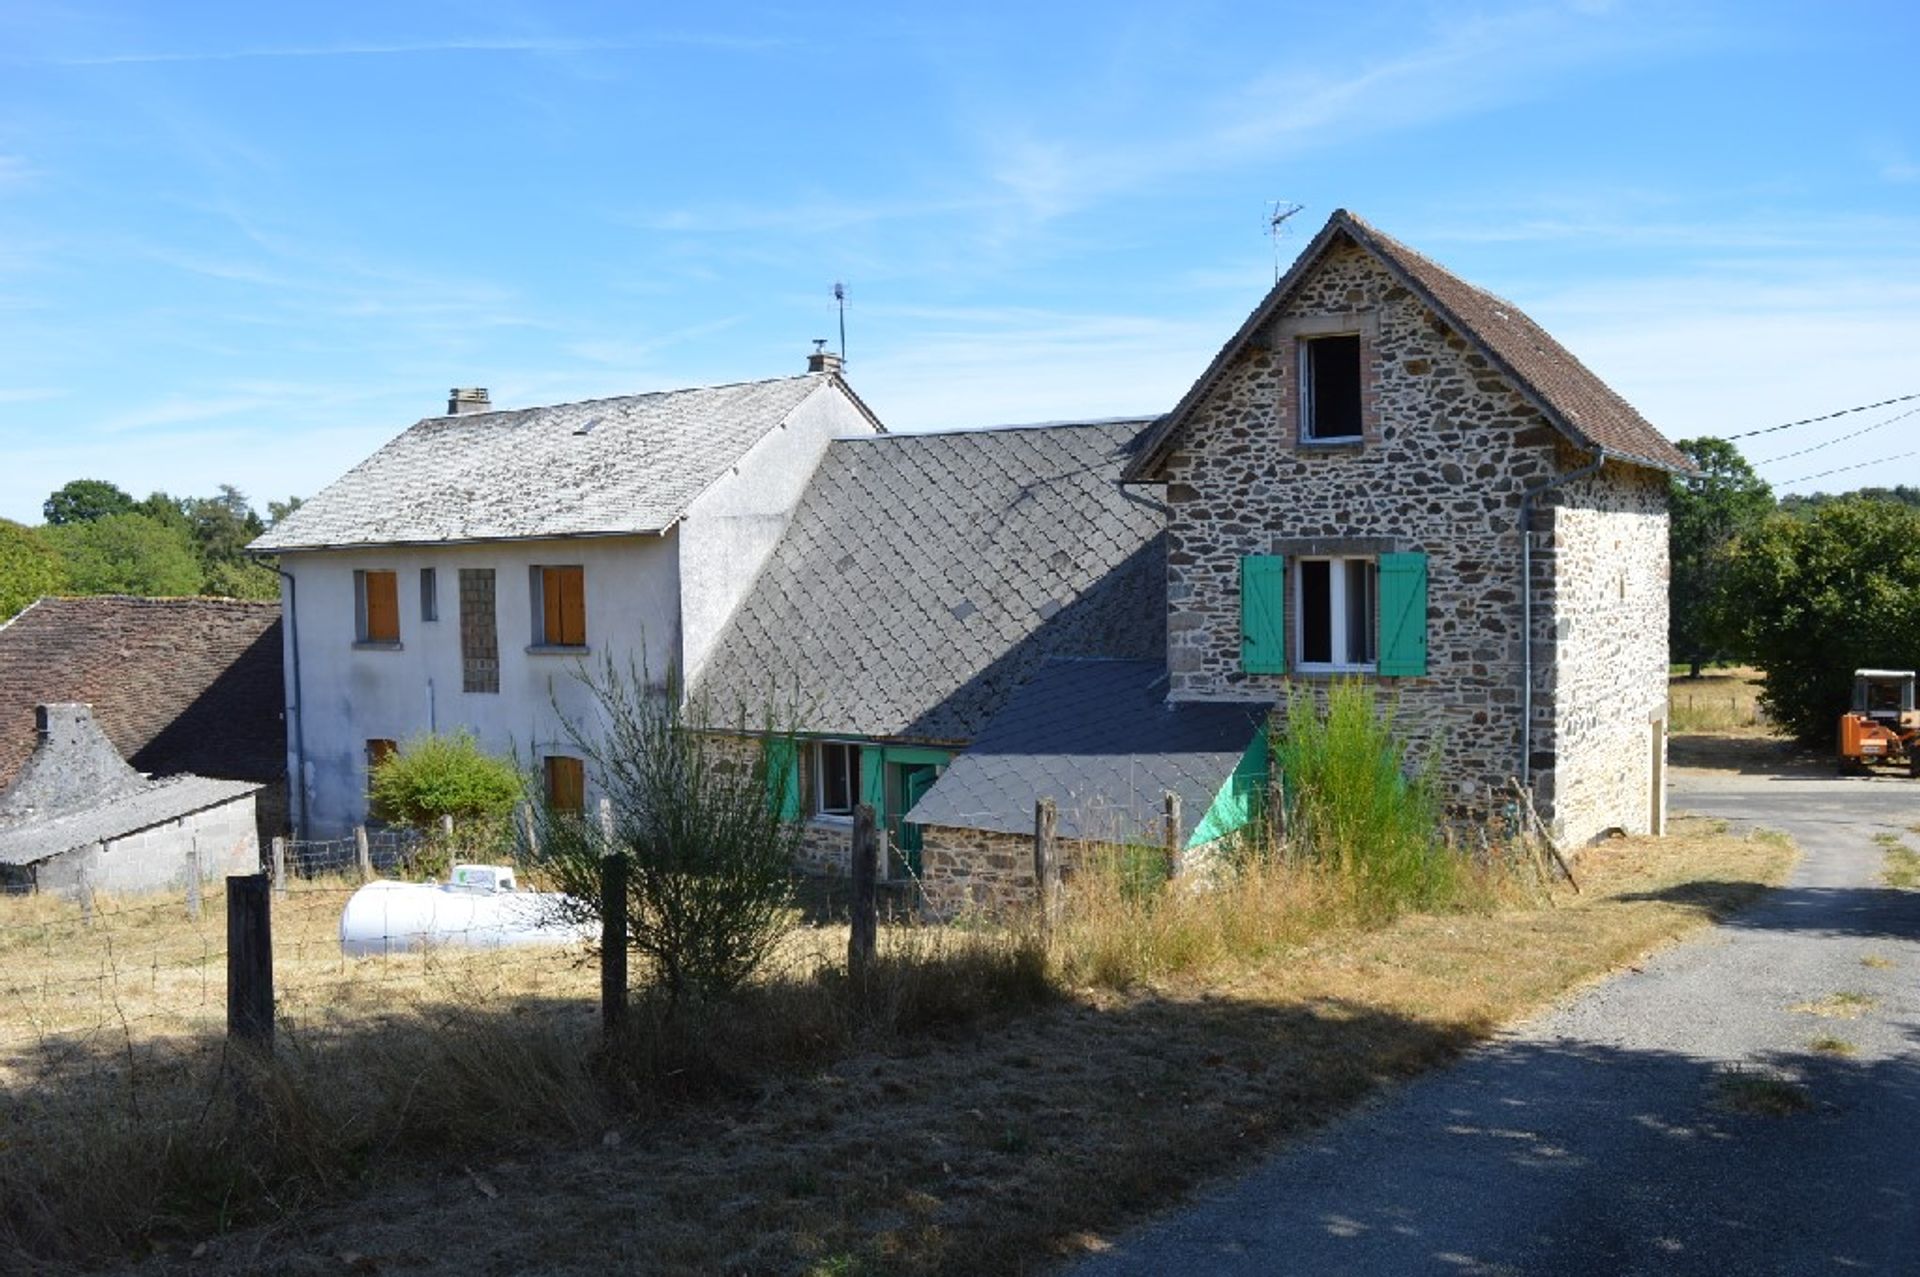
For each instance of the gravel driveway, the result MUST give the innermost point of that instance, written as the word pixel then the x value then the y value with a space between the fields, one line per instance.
pixel 1602 1137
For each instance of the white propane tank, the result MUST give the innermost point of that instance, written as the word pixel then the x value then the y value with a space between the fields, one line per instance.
pixel 476 908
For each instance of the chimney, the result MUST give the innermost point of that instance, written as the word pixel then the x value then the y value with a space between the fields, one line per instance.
pixel 465 399
pixel 822 359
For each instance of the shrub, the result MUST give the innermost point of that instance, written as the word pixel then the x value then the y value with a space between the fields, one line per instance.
pixel 710 885
pixel 445 775
pixel 1356 807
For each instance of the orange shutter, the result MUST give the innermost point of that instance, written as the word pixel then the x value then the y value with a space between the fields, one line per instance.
pixel 566 783
pixel 383 607
pixel 564 603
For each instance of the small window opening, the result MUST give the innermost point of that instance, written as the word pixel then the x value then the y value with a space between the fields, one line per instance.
pixel 839 778
pixel 1330 387
pixel 1339 605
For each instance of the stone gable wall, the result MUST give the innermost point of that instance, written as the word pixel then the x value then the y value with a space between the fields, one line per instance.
pixel 1608 668
pixel 1449 448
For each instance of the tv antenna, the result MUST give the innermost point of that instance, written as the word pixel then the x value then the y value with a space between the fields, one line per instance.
pixel 1277 214
pixel 840 301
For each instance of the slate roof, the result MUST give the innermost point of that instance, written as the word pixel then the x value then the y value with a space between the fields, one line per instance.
pixel 31 839
pixel 1571 396
pixel 178 685
pixel 1099 739
pixel 924 576
pixel 602 467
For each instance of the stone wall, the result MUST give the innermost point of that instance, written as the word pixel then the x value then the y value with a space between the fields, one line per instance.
pixel 1448 449
pixel 1608 665
pixel 222 840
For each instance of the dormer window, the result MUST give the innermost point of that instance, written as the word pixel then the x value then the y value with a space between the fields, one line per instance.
pixel 1330 387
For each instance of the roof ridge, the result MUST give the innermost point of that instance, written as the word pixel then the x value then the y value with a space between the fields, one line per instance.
pixel 1014 427
pixel 602 399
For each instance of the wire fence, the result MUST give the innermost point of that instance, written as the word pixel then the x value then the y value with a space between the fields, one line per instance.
pixel 133 982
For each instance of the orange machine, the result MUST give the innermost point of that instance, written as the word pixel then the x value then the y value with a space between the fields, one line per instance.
pixel 1882 726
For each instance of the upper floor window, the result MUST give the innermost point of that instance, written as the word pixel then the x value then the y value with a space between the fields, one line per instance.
pixel 1330 387
pixel 376 606
pixel 561 620
pixel 429 594
pixel 1326 612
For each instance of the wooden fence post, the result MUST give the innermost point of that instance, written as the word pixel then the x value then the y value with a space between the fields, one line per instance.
pixel 250 961
pixel 279 865
pixel 1171 833
pixel 84 888
pixel 193 879
pixel 1046 863
pixel 863 853
pixel 363 852
pixel 527 827
pixel 1276 804
pixel 613 944
pixel 605 811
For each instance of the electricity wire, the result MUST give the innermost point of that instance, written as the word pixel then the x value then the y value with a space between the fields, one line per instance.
pixel 1861 465
pixel 1829 416
pixel 1855 434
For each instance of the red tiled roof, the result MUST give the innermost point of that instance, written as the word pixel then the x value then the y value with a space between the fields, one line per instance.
pixel 1572 397
pixel 178 685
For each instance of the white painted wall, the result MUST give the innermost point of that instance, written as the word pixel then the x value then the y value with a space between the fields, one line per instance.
pixel 728 532
pixel 350 695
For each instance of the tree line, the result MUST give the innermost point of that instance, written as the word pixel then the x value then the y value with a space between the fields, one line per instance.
pixel 99 539
pixel 1808 588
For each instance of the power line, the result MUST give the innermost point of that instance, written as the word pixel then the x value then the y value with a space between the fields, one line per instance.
pixel 1787 483
pixel 1866 430
pixel 1807 421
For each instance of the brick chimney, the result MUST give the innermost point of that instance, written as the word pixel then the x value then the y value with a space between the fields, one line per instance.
pixel 465 399
pixel 822 359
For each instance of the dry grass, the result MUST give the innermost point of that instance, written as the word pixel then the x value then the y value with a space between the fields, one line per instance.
pixel 1901 868
pixel 1838 1006
pixel 1876 962
pixel 1721 702
pixel 1830 1045
pixel 1763 1094
pixel 974 1141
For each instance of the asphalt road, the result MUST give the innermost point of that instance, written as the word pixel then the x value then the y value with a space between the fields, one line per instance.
pixel 1598 1138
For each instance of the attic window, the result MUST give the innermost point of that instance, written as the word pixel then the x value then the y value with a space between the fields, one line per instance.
pixel 587 428
pixel 1330 387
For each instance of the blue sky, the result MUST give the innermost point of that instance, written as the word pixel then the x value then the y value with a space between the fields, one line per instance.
pixel 248 243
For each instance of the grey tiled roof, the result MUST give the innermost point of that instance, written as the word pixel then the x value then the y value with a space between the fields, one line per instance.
pixel 24 842
pixel 1099 739
pixel 605 466
pixel 1570 394
pixel 923 576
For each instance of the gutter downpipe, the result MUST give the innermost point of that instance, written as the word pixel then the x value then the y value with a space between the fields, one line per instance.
pixel 1526 604
pixel 298 787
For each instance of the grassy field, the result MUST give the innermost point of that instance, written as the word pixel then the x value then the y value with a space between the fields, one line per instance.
pixel 988 1105
pixel 1723 701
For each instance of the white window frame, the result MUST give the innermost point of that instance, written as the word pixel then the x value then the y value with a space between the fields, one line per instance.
pixel 1338 581
pixel 1309 418
pixel 820 809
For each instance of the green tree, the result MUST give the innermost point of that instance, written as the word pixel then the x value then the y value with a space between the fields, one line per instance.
pixel 223 525
pixel 126 554
pixel 710 855
pixel 29 568
pixel 85 500
pixel 436 775
pixel 278 510
pixel 1709 508
pixel 1813 598
pixel 242 579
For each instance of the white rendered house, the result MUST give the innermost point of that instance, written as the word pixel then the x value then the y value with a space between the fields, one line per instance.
pixel 459 576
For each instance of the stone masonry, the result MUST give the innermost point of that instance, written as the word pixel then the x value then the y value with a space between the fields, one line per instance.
pixel 1448 449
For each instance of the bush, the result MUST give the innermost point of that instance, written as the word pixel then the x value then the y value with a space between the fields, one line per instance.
pixel 445 775
pixel 1355 807
pixel 710 886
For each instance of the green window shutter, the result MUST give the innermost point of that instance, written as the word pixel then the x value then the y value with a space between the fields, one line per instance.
pixel 783 777
pixel 1403 614
pixel 1263 610
pixel 873 779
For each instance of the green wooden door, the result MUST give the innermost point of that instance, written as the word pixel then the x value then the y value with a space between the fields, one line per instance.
pixel 915 780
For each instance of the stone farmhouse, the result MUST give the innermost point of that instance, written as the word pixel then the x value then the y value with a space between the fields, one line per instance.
pixel 1386 473
pixel 458 576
